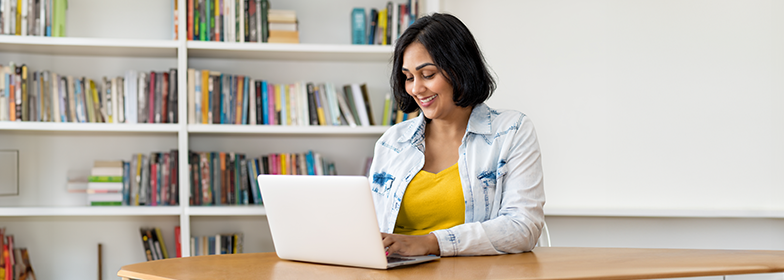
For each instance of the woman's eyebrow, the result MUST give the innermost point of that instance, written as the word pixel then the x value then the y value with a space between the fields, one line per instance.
pixel 423 65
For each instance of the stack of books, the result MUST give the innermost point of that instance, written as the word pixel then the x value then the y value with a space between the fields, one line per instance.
pixel 14 262
pixel 105 184
pixel 282 26
pixel 33 18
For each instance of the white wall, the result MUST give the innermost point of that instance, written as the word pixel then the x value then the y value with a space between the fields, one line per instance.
pixel 647 106
pixel 644 104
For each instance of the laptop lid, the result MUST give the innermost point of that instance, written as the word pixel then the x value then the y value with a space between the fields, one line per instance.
pixel 323 219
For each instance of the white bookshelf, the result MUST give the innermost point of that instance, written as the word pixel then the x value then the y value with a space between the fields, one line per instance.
pixel 287 130
pixel 301 52
pixel 96 127
pixel 88 46
pixel 234 210
pixel 86 211
pixel 48 151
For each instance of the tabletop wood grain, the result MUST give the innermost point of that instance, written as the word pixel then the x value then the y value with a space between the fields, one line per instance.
pixel 543 263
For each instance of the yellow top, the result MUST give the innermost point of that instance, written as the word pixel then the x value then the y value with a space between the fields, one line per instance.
pixel 431 202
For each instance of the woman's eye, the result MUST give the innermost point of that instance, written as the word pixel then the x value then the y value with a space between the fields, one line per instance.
pixel 430 76
pixel 408 79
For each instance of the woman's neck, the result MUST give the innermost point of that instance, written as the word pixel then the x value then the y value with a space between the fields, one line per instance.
pixel 452 127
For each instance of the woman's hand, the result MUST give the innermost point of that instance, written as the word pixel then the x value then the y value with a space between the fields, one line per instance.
pixel 411 245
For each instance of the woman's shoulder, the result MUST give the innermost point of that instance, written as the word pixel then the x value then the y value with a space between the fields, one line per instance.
pixel 498 119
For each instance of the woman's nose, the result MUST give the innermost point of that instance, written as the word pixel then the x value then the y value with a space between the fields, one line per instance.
pixel 417 87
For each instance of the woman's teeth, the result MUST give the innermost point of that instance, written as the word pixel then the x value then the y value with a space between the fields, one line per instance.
pixel 429 98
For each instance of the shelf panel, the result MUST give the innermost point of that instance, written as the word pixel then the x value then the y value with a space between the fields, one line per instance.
pixel 307 52
pixel 283 130
pixel 237 210
pixel 88 46
pixel 664 213
pixel 102 127
pixel 91 211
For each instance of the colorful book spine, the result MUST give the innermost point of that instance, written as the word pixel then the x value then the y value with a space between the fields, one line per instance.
pixel 280 92
pixel 358 23
pixel 245 100
pixel 273 100
pixel 264 103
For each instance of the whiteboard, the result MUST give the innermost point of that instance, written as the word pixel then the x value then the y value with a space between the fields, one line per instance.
pixel 648 104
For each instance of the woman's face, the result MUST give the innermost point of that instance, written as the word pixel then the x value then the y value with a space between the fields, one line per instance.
pixel 427 84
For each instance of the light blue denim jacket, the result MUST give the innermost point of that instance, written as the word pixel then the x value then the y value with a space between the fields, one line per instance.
pixel 500 169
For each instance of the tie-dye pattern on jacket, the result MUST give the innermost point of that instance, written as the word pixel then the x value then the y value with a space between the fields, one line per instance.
pixel 500 169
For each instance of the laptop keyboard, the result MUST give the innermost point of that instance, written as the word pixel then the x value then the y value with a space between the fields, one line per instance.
pixel 391 259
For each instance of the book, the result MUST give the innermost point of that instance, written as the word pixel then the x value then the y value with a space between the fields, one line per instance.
pixel 105 198
pixel 144 189
pixel 264 20
pixel 250 21
pixel 107 168
pixel 358 25
pixel 252 100
pixel 260 104
pixel 386 114
pixel 359 103
pixel 26 269
pixel 191 94
pixel 173 97
pixel 283 26
pixel 390 13
pixel 325 105
pixel 393 20
pixel 189 12
pixel 204 94
pixel 381 28
pixel 177 242
pixel 283 36
pixel 175 167
pixel 216 89
pixel 372 26
pixel 141 100
pixel 278 15
pixel 58 17
pixel 319 95
pixel 368 106
pixel 164 99
pixel 332 104
pixel 349 94
pixel 152 102
pixel 159 236
pixel 345 110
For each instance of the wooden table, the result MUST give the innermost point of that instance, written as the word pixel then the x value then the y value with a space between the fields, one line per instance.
pixel 542 263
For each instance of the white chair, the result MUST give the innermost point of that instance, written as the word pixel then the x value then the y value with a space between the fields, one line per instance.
pixel 544 238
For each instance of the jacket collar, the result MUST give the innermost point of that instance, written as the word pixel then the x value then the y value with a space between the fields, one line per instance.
pixel 480 122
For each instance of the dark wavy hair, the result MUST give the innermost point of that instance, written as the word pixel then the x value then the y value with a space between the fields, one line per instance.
pixel 456 54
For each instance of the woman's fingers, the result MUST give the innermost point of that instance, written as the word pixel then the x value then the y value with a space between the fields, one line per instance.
pixel 387 239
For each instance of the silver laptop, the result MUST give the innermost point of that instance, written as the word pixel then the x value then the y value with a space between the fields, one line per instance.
pixel 326 219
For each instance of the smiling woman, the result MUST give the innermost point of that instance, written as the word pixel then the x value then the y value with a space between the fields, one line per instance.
pixel 462 178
